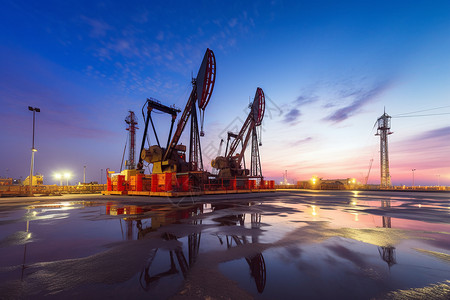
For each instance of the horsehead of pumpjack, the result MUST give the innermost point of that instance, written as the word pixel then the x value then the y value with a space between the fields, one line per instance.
pixel 172 158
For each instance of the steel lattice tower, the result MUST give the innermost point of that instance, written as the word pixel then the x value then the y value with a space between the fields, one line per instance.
pixel 195 150
pixel 132 122
pixel 383 130
pixel 255 163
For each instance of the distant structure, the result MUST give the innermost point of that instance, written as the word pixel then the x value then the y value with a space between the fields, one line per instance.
pixel 131 122
pixel 383 130
pixel 387 253
pixel 366 179
pixel 316 183
pixel 285 178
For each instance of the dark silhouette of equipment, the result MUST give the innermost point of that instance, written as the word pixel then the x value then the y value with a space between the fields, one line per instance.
pixel 387 253
pixel 172 158
pixel 384 129
pixel 131 122
pixel 230 165
pixel 256 262
pixel 155 153
pixel 366 179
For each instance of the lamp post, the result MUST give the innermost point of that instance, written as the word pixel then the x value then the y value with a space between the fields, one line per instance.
pixel 84 176
pixel 34 110
pixel 67 176
pixel 413 177
pixel 101 176
pixel 59 176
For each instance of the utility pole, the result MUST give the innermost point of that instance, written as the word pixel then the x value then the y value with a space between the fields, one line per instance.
pixel 34 110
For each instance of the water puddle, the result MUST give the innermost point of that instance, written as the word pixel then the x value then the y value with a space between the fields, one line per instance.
pixel 318 245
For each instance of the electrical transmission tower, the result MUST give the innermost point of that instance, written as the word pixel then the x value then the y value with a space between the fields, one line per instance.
pixel 383 130
pixel 132 122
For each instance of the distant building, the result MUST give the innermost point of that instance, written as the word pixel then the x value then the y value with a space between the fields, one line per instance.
pixel 6 181
pixel 38 179
pixel 317 183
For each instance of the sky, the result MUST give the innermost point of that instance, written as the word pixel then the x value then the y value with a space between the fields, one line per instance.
pixel 328 69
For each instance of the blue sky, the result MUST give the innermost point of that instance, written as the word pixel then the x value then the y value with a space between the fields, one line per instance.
pixel 328 69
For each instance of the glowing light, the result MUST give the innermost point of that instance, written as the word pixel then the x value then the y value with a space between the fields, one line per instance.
pixel 58 176
pixel 420 205
pixel 314 213
pixel 354 203
pixel 356 217
pixel 67 177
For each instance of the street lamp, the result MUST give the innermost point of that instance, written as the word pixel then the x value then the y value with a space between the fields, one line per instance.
pixel 34 110
pixel 59 177
pixel 101 176
pixel 67 176
pixel 413 177
pixel 84 176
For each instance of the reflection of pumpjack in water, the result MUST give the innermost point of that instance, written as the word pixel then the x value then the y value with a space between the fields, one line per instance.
pixel 164 215
pixel 255 262
pixel 145 278
pixel 194 242
pixel 387 253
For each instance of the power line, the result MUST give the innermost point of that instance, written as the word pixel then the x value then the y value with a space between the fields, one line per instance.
pixel 414 112
pixel 422 115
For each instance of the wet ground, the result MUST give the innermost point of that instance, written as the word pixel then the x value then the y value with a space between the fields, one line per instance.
pixel 283 245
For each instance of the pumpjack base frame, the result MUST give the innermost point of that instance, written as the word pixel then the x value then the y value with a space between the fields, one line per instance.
pixel 184 194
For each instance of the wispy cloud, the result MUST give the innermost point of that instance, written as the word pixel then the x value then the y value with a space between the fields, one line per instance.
pixel 306 99
pixel 301 141
pixel 360 97
pixel 292 116
pixel 431 140
pixel 98 28
pixel 431 146
pixel 440 133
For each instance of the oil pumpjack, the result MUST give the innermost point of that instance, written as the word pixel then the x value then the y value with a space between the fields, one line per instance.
pixel 172 158
pixel 172 173
pixel 230 165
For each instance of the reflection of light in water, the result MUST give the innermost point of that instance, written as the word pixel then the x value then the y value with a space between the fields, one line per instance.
pixel 420 205
pixel 207 208
pixel 314 213
pixel 354 202
pixel 28 235
pixel 356 216
pixel 34 213
pixel 355 193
